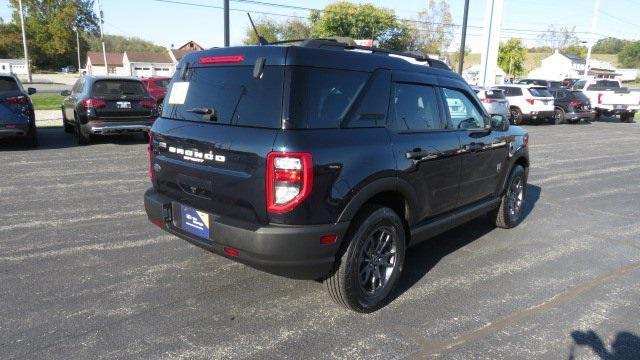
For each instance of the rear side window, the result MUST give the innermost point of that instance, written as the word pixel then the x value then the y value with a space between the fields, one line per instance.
pixel 321 98
pixel 232 95
pixel 494 94
pixel 414 107
pixel 512 91
pixel 117 87
pixel 579 84
pixel 8 84
pixel 540 92
pixel 578 95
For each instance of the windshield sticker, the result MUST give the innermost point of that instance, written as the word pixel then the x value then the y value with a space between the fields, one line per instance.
pixel 178 93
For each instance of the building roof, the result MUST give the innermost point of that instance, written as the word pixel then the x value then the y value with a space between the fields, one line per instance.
pixel 191 46
pixel 149 57
pixel 575 58
pixel 179 54
pixel 113 59
pixel 13 61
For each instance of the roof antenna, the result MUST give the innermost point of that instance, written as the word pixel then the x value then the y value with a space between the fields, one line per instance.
pixel 261 40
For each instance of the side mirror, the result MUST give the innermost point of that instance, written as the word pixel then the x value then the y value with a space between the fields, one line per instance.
pixel 499 122
pixel 31 91
pixel 65 93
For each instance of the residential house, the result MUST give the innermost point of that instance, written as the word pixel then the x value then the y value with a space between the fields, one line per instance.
pixel 560 66
pixel 13 66
pixel 148 64
pixel 115 64
pixel 179 53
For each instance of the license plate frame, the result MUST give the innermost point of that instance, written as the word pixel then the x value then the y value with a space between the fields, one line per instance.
pixel 123 104
pixel 620 107
pixel 195 222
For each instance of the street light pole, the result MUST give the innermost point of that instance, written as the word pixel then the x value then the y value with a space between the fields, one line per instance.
pixel 24 43
pixel 104 51
pixel 226 23
pixel 464 36
pixel 78 46
pixel 594 21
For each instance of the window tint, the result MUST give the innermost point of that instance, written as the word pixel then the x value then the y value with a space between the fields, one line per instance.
pixel 463 114
pixel 494 94
pixel 604 84
pixel 233 94
pixel 118 87
pixel 540 92
pixel 511 91
pixel 579 95
pixel 320 98
pixel 8 84
pixel 370 109
pixel 579 84
pixel 560 94
pixel 414 107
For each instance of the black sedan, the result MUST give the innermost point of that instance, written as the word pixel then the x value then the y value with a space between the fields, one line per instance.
pixel 571 106
pixel 17 119
pixel 98 105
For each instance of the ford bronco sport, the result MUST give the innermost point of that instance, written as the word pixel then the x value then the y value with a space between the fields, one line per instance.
pixel 326 161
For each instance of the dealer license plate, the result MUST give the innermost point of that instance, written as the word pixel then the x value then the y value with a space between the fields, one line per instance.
pixel 194 222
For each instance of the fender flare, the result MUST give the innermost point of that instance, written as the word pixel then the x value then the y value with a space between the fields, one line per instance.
pixel 379 186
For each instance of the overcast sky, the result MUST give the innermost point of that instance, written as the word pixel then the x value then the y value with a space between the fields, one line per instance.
pixel 169 23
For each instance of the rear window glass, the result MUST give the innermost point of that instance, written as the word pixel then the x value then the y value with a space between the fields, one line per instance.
pixel 555 84
pixel 8 84
pixel 494 94
pixel 320 98
pixel 578 95
pixel 117 87
pixel 233 95
pixel 511 91
pixel 540 92
pixel 604 84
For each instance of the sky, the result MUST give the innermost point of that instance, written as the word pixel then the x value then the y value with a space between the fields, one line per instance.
pixel 167 24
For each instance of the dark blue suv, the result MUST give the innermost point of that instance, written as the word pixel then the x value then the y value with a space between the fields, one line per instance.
pixel 17 118
pixel 326 161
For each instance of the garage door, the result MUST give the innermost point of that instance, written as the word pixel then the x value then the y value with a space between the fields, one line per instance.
pixel 162 71
pixel 142 71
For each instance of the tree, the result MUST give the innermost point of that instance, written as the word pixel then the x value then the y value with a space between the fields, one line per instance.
pixel 49 26
pixel 361 21
pixel 117 43
pixel 434 27
pixel 578 50
pixel 629 56
pixel 454 58
pixel 608 45
pixel 511 57
pixel 277 31
pixel 10 42
pixel 559 38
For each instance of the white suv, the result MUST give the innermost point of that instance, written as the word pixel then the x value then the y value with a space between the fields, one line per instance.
pixel 529 102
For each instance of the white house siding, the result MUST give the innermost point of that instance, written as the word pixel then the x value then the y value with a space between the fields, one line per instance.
pixel 13 66
pixel 151 69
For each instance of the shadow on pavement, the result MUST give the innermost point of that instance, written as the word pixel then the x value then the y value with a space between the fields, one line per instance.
pixel 424 256
pixel 625 346
pixel 56 138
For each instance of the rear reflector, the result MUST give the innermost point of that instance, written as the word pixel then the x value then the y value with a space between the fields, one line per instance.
pixel 328 239
pixel 231 252
pixel 158 222
pixel 225 59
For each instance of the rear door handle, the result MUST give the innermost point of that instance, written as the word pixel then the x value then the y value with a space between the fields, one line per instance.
pixel 473 147
pixel 419 154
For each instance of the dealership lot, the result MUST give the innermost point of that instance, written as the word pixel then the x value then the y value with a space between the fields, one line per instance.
pixel 85 275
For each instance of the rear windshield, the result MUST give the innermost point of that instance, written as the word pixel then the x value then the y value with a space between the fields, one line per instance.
pixel 494 94
pixel 579 95
pixel 118 87
pixel 555 84
pixel 540 92
pixel 8 84
pixel 604 84
pixel 231 95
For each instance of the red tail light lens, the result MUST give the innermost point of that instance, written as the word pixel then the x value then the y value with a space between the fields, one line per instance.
pixel 18 100
pixel 600 98
pixel 575 103
pixel 94 103
pixel 225 59
pixel 288 180
pixel 150 170
pixel 530 101
pixel 526 139
pixel 488 101
pixel 148 104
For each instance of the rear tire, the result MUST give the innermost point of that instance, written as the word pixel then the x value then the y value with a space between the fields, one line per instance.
pixel 367 270
pixel 510 212
pixel 516 115
pixel 82 138
pixel 558 116
pixel 32 137
pixel 68 128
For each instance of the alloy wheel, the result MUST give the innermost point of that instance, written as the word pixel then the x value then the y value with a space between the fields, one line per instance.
pixel 377 260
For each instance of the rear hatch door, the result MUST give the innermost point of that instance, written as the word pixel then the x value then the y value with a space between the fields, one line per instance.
pixel 218 124
pixel 542 99
pixel 123 99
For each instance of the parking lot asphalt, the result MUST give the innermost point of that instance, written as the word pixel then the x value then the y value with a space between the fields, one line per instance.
pixel 84 275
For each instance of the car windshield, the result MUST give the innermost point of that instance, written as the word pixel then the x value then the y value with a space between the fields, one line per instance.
pixel 540 92
pixel 8 84
pixel 117 87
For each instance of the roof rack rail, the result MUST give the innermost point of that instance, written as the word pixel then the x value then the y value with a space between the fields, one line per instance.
pixel 333 43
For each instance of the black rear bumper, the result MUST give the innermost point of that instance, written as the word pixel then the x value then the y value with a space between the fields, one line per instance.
pixel 289 251
pixel 114 127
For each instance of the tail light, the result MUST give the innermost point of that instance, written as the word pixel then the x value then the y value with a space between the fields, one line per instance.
pixel 575 103
pixel 525 140
pixel 148 104
pixel 18 100
pixel 289 179
pixel 600 98
pixel 530 101
pixel 488 101
pixel 93 103
pixel 150 170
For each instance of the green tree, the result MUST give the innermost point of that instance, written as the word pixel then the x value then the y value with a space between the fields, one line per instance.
pixel 50 28
pixel 117 43
pixel 277 31
pixel 361 21
pixel 578 50
pixel 434 27
pixel 629 56
pixel 608 45
pixel 511 57
pixel 10 42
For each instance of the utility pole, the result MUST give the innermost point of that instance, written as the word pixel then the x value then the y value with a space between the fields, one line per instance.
pixel 78 45
pixel 24 43
pixel 491 37
pixel 104 51
pixel 594 21
pixel 226 23
pixel 464 36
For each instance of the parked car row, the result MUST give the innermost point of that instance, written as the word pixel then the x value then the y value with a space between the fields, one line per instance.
pixel 17 117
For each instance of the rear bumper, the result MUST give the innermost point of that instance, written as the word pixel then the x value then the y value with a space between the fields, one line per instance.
pixel 107 127
pixel 18 131
pixel 539 115
pixel 581 115
pixel 289 251
pixel 611 111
